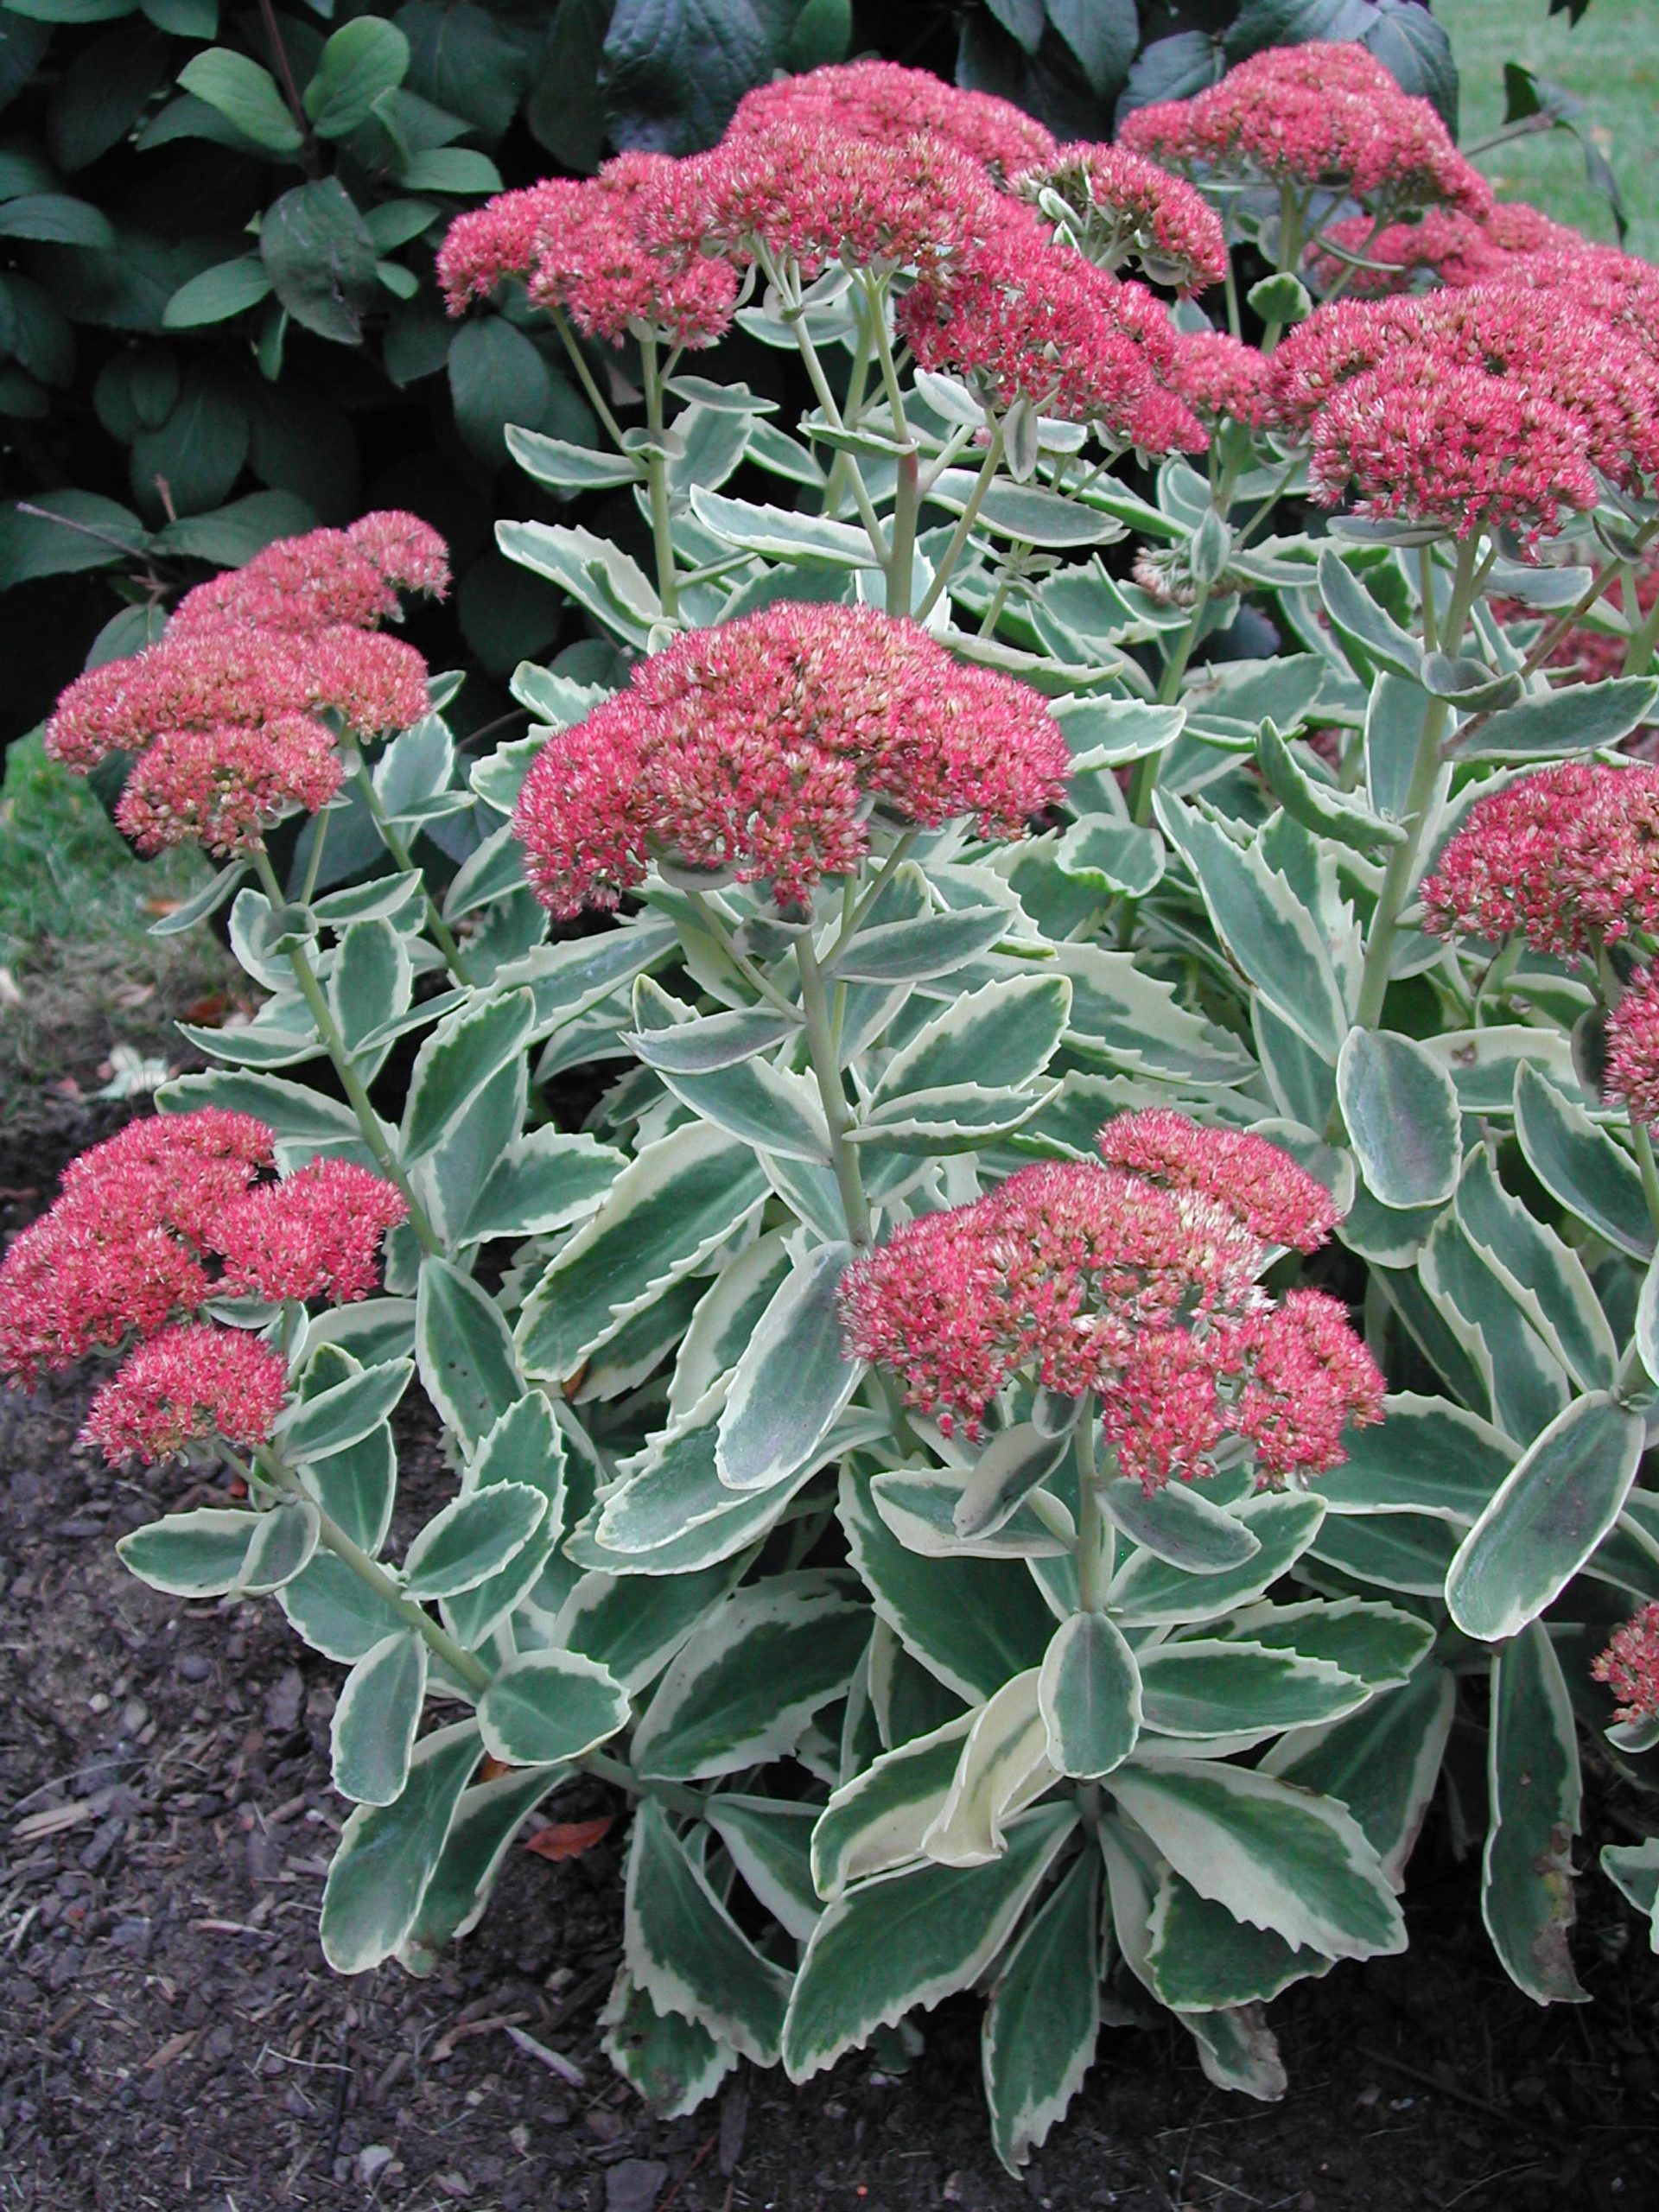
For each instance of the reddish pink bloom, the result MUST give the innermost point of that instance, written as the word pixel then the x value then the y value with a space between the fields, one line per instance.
pixel 1443 245
pixel 1630 1666
pixel 1257 1182
pixel 182 1169
pixel 408 552
pixel 1163 1415
pixel 1039 323
pixel 884 102
pixel 1316 115
pixel 193 1383
pixel 1219 377
pixel 294 588
pixel 372 682
pixel 202 682
pixel 86 1275
pixel 1561 857
pixel 756 746
pixel 1306 1374
pixel 1633 1050
pixel 222 789
pixel 314 1234
pixel 483 248
pixel 1125 208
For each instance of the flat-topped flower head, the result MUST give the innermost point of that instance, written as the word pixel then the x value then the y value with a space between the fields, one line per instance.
pixel 1257 1181
pixel 885 102
pixel 322 579
pixel 183 1169
pixel 1222 379
pixel 223 789
pixel 1039 323
pixel 1632 1078
pixel 409 553
pixel 498 241
pixel 87 1276
pixel 1322 115
pixel 1083 1277
pixel 316 1234
pixel 757 747
pixel 1630 1666
pixel 1443 247
pixel 373 683
pixel 192 1383
pixel 1124 207
pixel 197 682
pixel 1562 857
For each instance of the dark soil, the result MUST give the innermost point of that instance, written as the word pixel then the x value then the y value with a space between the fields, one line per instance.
pixel 170 2038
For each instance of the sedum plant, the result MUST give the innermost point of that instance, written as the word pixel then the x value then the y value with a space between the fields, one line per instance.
pixel 1098 1320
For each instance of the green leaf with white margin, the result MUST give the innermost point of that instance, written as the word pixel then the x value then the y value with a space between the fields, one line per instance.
pixel 525 1445
pixel 1177 1524
pixel 468 1366
pixel 1527 1383
pixel 374 1724
pixel 877 1820
pixel 461 1056
pixel 1111 733
pixel 1526 1897
pixel 793 1379
pixel 1118 859
pixel 1425 1454
pixel 673 1488
pixel 770 1108
pixel 1000 1037
pixel 752 1677
pixel 1043 2019
pixel 1089 1693
pixel 959 1118
pixel 481 1836
pixel 472 1538
pixel 1382 1762
pixel 344 1415
pixel 1200 1958
pixel 1558 1500
pixel 1360 621
pixel 1203 1686
pixel 1003 1766
pixel 1011 1466
pixel 1579 1165
pixel 779 534
pixel 1148 1590
pixel 770 1843
pixel 902 1940
pixel 543 1707
pixel 200 1555
pixel 564 467
pixel 676 1202
pixel 1407 1552
pixel 1552 725
pixel 1265 924
pixel 369 982
pixel 912 951
pixel 1132 1022
pixel 972 1622
pixel 388 1853
pixel 673 2063
pixel 705 1043
pixel 596 574
pixel 725 1319
pixel 685 1951
pixel 1381 1644
pixel 919 1506
pixel 1544 1275
pixel 1402 1116
pixel 1319 806
pixel 544 1181
pixel 1633 1868
pixel 282 1547
pixel 1273 1856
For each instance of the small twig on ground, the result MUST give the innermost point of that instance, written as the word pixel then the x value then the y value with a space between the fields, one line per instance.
pixel 554 2061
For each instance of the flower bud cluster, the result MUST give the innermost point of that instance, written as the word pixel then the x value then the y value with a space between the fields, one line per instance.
pixel 1138 1283
pixel 1125 207
pixel 1630 1666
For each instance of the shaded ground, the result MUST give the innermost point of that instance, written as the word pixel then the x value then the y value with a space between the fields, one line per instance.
pixel 170 2038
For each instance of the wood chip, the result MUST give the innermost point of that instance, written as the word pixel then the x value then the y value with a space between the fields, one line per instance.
pixel 52 1821
pixel 554 2061
pixel 445 2045
pixel 174 2047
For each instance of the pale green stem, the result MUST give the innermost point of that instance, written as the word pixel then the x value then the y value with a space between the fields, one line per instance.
pixel 1425 594
pixel 585 378
pixel 1638 653
pixel 796 317
pixel 392 838
pixel 314 866
pixel 970 515
pixel 662 526
pixel 1143 780
pixel 746 968
pixel 852 409
pixel 1234 320
pixel 1014 569
pixel 1544 646
pixel 901 555
pixel 1291 241
pixel 368 1120
pixel 853 916
pixel 1092 1576
pixel 826 1070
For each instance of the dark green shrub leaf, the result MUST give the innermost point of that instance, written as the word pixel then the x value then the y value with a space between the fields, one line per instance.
pixel 322 259
pixel 245 95
pixel 362 59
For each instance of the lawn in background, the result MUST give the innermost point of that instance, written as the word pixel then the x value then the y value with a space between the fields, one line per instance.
pixel 1612 62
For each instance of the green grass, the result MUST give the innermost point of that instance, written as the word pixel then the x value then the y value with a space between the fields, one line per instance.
pixel 1611 61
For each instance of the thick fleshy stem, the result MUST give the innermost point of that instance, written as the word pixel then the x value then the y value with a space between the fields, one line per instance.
pixel 392 838
pixel 821 1049
pixel 970 515
pixel 662 527
pixel 585 378
pixel 1644 634
pixel 1544 646
pixel 714 924
pixel 368 1120
pixel 901 541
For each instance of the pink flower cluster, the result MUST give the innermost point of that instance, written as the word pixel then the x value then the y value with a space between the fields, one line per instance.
pixel 1319 115
pixel 757 746
pixel 1562 857
pixel 1126 208
pixel 193 1383
pixel 884 103
pixel 1629 1665
pixel 1632 1077
pixel 1221 378
pixel 227 711
pixel 151 1225
pixel 1138 1283
pixel 1443 245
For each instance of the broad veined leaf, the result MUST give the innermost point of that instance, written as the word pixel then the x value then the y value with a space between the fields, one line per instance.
pixel 199 1555
pixel 1003 1766
pixel 379 1710
pixel 388 1853
pixel 684 1949
pixel 676 1202
pixel 362 60
pixel 972 1622
pixel 546 1706
pixel 1148 1590
pixel 1089 1693
pixel 1044 2017
pixel 1230 1686
pixel 1275 1857
pixel 1200 1958
pixel 1558 1500
pixel 455 1063
pixel 1545 1275
pixel 792 1380
pixel 751 1677
pixel 472 1538
pixel 245 94
pixel 1402 1116
pixel 919 1506
pixel 878 1819
pixel 1177 1524
pixel 1382 1762
pixel 902 1940
pixel 1579 1165
pixel 1533 1776
pixel 467 1364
